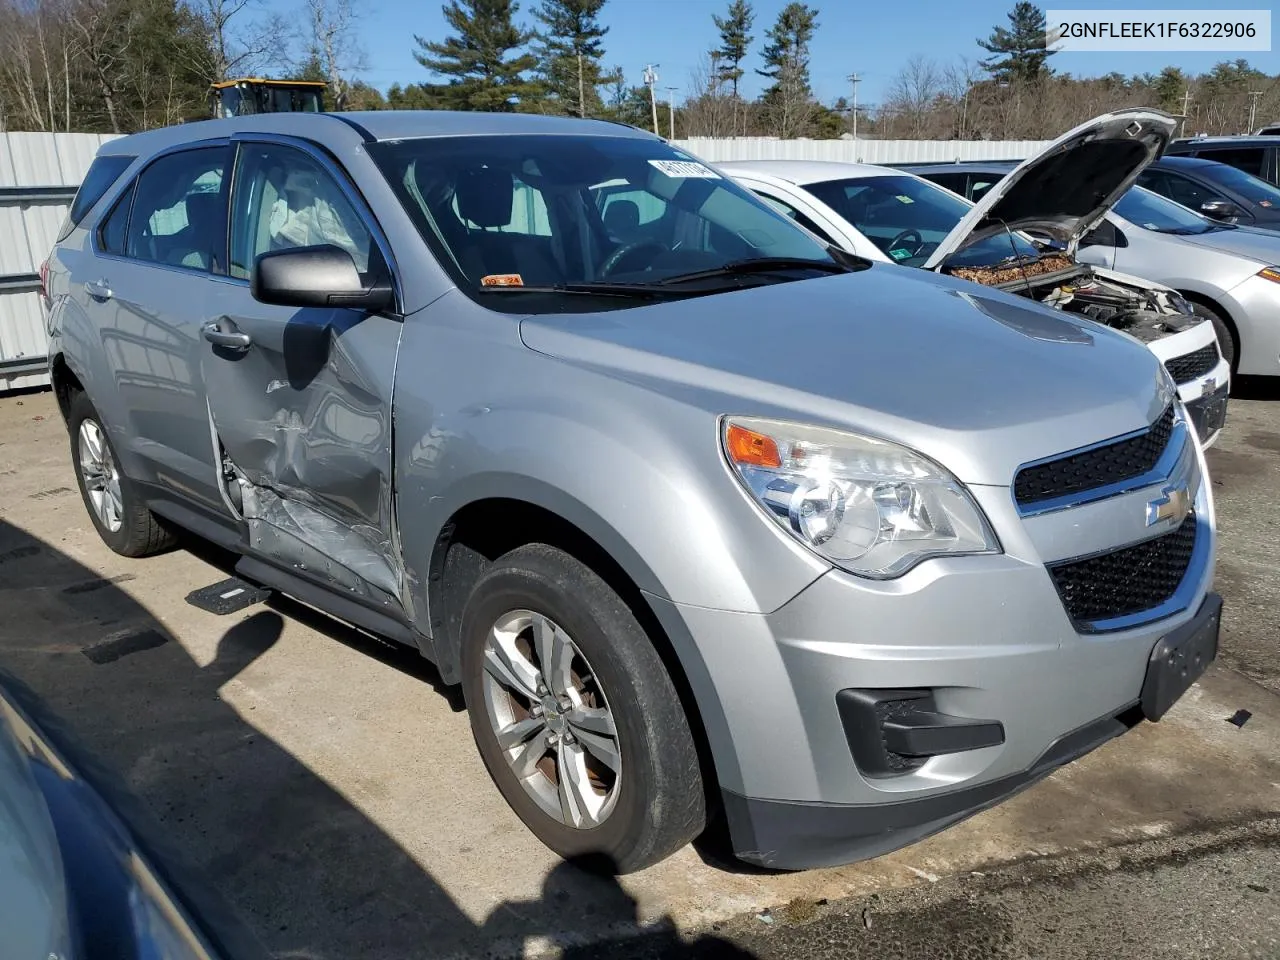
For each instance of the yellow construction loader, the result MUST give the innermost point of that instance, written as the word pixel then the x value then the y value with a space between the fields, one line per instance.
pixel 245 95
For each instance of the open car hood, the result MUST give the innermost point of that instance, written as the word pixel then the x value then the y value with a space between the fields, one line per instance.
pixel 1065 190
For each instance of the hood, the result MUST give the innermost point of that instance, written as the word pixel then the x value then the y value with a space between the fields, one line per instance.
pixel 1260 245
pixel 1064 191
pixel 980 380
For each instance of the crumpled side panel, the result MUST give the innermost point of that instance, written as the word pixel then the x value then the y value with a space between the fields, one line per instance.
pixel 298 535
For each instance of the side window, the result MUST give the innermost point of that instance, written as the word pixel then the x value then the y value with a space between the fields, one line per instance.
pixel 102 173
pixel 952 181
pixel 978 186
pixel 282 198
pixel 789 211
pixel 1187 192
pixel 112 233
pixel 1248 159
pixel 180 211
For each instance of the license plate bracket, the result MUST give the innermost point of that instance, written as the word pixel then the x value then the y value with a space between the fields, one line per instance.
pixel 1179 659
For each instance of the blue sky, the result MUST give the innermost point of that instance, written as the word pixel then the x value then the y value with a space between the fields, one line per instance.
pixel 870 37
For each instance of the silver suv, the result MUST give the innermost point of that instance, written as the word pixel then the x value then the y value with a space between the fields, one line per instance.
pixel 711 523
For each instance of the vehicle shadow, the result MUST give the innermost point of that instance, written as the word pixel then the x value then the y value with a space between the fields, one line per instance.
pixel 311 875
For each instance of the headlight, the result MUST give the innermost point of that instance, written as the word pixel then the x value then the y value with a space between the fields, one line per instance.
pixel 1270 273
pixel 869 506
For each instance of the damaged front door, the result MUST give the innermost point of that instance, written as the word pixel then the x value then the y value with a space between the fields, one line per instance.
pixel 300 398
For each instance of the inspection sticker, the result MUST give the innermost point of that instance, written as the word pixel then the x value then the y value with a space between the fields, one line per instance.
pixel 502 280
pixel 685 169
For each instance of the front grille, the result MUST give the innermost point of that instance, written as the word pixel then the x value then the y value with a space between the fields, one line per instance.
pixel 1126 581
pixel 1098 467
pixel 1186 368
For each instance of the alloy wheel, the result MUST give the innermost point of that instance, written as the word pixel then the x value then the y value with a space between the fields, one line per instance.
pixel 101 476
pixel 551 719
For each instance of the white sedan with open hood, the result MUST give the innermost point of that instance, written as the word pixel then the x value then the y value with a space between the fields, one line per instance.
pixel 1021 237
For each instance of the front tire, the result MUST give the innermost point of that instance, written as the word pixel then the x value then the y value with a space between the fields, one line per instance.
pixel 1226 340
pixel 575 715
pixel 115 506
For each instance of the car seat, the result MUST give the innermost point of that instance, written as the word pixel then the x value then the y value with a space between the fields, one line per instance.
pixel 485 198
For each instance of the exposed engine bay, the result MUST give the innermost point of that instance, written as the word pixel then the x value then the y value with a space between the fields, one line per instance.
pixel 1056 281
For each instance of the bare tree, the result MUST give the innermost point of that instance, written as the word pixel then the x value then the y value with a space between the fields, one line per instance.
pixel 332 42
pixel 103 31
pixel 35 55
pixel 958 81
pixel 710 110
pixel 242 40
pixel 914 95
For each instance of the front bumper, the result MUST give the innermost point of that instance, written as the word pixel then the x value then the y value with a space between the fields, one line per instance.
pixel 1209 413
pixel 987 637
pixel 795 835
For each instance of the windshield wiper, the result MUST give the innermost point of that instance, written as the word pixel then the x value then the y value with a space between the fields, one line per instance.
pixel 637 291
pixel 737 268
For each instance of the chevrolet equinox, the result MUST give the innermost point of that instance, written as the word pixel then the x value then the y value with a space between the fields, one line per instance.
pixel 711 523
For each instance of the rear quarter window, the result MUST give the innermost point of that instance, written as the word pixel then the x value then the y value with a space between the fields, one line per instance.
pixel 102 173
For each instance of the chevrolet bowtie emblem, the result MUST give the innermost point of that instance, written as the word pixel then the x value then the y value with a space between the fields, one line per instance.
pixel 1173 503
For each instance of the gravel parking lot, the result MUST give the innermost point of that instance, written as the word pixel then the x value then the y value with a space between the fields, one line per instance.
pixel 329 786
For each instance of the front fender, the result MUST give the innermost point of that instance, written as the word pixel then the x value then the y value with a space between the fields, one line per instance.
pixel 649 488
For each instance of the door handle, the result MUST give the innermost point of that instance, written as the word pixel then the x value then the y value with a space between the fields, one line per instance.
pixel 224 333
pixel 98 289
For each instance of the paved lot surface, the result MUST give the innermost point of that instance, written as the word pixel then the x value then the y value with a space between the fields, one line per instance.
pixel 330 787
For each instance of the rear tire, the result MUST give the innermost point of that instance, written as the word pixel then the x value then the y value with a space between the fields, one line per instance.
pixel 539 623
pixel 112 500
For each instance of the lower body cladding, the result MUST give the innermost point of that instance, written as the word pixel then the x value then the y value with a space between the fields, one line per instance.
pixel 862 715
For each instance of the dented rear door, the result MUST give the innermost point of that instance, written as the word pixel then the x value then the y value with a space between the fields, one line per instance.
pixel 303 414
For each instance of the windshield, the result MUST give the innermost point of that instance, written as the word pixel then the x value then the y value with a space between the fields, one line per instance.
pixel 1247 185
pixel 1151 211
pixel 907 217
pixel 550 211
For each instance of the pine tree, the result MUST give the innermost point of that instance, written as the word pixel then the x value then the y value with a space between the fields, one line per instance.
pixel 483 61
pixel 1020 49
pixel 735 40
pixel 570 49
pixel 789 101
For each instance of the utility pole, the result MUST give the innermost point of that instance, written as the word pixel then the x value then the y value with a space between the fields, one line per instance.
pixel 854 79
pixel 1186 106
pixel 671 109
pixel 1253 108
pixel 650 81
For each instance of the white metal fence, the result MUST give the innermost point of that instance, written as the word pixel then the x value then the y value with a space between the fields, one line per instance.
pixel 40 171
pixel 860 151
pixel 38 175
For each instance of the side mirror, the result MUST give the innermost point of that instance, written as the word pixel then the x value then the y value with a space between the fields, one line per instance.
pixel 1220 209
pixel 322 276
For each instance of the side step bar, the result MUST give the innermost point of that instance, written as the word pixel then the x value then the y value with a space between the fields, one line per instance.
pixel 383 624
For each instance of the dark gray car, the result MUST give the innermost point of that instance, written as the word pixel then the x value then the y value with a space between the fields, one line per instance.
pixel 702 515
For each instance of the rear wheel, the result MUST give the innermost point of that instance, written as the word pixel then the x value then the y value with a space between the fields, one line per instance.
pixel 115 506
pixel 575 715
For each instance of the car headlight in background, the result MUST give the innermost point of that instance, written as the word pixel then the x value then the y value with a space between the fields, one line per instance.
pixel 871 507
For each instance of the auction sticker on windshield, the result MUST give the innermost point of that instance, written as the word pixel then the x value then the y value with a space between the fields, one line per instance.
pixel 684 169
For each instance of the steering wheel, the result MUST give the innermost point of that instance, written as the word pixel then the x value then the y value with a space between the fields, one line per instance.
pixel 627 249
pixel 903 236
